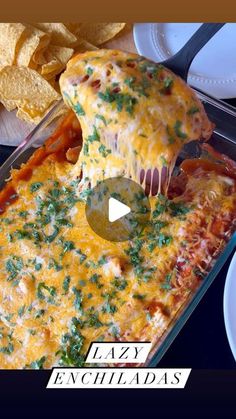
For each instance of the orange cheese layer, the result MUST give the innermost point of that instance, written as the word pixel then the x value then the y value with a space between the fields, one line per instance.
pixel 62 286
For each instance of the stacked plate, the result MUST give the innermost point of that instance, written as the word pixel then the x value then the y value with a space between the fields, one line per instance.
pixel 212 71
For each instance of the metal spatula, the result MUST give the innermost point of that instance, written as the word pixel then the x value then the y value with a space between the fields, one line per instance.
pixel 182 60
pixel 180 64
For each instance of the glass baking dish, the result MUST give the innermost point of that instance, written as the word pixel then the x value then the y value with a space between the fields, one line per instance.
pixel 223 139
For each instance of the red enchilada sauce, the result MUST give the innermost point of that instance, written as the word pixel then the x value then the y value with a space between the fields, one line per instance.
pixel 67 134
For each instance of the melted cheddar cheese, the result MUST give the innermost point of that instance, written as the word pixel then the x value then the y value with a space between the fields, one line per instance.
pixel 63 287
pixel 135 115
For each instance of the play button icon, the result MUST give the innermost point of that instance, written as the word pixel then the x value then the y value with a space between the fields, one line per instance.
pixel 117 209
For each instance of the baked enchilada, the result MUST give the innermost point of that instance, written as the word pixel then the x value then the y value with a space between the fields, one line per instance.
pixel 62 286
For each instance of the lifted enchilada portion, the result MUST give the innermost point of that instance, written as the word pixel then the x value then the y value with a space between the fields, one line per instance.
pixel 135 115
pixel 62 286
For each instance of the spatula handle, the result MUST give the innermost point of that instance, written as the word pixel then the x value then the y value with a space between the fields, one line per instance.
pixel 182 60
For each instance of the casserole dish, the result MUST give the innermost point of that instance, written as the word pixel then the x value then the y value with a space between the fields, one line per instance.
pixel 224 140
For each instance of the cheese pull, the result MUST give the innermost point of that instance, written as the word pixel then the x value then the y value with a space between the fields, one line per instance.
pixel 135 115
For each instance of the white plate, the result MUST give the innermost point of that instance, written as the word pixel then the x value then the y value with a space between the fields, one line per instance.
pixel 214 68
pixel 230 305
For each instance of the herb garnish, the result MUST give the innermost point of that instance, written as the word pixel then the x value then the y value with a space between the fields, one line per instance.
pixel 122 100
pixel 177 129
pixel 78 299
pixel 193 110
pixel 45 292
pixel 66 284
pixel 167 284
pixel 94 136
pixel 78 109
pixel 72 344
pixel 38 364
pixel 102 118
pixel 13 266
pixel 103 150
pixel 35 186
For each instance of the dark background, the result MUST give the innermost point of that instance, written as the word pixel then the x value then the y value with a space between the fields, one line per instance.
pixel 202 343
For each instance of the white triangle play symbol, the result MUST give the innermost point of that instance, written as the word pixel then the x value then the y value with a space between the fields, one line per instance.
pixel 116 210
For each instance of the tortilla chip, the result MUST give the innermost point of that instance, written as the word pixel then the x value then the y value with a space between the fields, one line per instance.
pixel 84 46
pixel 60 35
pixel 73 27
pixel 10 36
pixel 98 33
pixel 51 69
pixel 25 89
pixel 56 59
pixel 63 54
pixel 34 42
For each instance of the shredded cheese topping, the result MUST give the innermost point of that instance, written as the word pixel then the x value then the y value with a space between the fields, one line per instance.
pixel 62 286
pixel 135 115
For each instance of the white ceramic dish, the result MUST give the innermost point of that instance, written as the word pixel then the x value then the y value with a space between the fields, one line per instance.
pixel 230 305
pixel 214 68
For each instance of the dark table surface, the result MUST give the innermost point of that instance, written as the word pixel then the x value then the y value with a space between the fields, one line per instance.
pixel 202 343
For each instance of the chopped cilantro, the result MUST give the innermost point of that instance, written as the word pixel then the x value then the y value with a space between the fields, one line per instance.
pixel 13 267
pixel 102 260
pixel 51 237
pixel 94 136
pixel 164 240
pixel 193 110
pixel 115 331
pixel 93 321
pixel 78 109
pixel 130 81
pixel 94 279
pixel 83 257
pixel 68 245
pixel 39 313
pixel 86 149
pixel 177 129
pixel 38 266
pixel 103 150
pixel 168 82
pixel 101 117
pixel 23 214
pixel 38 364
pixel 167 284
pixel 66 284
pixel 120 283
pixel 9 237
pixel 78 298
pixel 122 100
pixel 163 161
pixel 54 264
pixel 89 71
pixel 35 186
pixel 139 296
pixel 21 310
pixel 109 308
pixel 72 344
pixel 178 208
pixel 55 193
pixel 22 234
pixel 45 292
pixel 7 349
pixel 167 85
